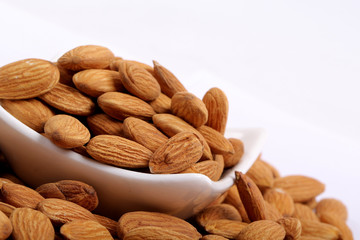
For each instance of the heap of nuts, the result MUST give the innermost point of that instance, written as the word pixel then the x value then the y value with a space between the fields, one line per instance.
pixel 261 205
pixel 121 112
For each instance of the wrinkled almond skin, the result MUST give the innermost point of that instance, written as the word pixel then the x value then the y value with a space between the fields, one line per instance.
pixel 281 200
pixel 86 57
pixel 31 224
pixel 234 199
pixel 190 108
pixel 208 168
pixel 168 82
pixel 230 159
pixel 271 212
pixel 27 78
pixel 31 112
pixel 85 229
pixel 220 211
pixel 74 191
pixel 213 237
pixel 332 206
pixel 133 220
pixel 319 229
pixel 304 212
pixel 143 133
pixel 121 105
pixel 261 175
pixel 95 82
pixel 7 209
pixel 118 151
pixel 177 154
pixel 5 226
pixel 20 196
pixel 161 104
pixel 217 105
pixel 217 142
pixel 66 131
pixel 225 227
pixel 69 100
pixel 292 227
pixel 262 229
pixel 151 232
pixel 334 220
pixel 61 211
pixel 251 197
pixel 138 81
pixel 102 123
pixel 111 225
pixel 300 188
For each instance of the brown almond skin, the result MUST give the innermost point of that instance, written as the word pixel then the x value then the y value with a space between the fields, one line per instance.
pixel 213 237
pixel 217 105
pixel 85 229
pixel 95 82
pixel 86 57
pixel 225 227
pixel 31 224
pixel 177 154
pixel 334 220
pixel 133 220
pixel 281 200
pixel 190 108
pixel 333 206
pixel 230 159
pixel 27 78
pixel 102 123
pixel 207 167
pixel 61 211
pixel 271 212
pixel 74 191
pixel 220 211
pixel 251 197
pixel 31 112
pixel 121 105
pixel 161 104
pixel 5 226
pixel 66 131
pixel 304 212
pixel 292 227
pixel 69 100
pixel 118 151
pixel 143 133
pixel 168 82
pixel 20 196
pixel 261 175
pixel 7 209
pixel 151 232
pixel 262 229
pixel 138 81
pixel 319 229
pixel 111 225
pixel 217 142
pixel 234 199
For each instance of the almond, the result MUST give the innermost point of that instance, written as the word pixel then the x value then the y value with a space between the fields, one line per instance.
pixel 120 106
pixel 311 203
pixel 61 211
pixel 95 82
pixel 208 168
pixel 161 104
pixel 171 125
pixel 304 212
pixel 261 175
pixel 177 154
pixel 331 218
pixel 250 196
pixel 213 237
pixel 151 232
pixel 168 82
pixel 143 133
pixel 118 151
pixel 145 66
pixel 281 200
pixel 300 188
pixel 66 131
pixel 132 220
pixel 231 159
pixel 138 81
pixel 86 57
pixel 114 64
pixel 271 212
pixel 31 224
pixel 4 180
pixel 5 226
pixel 27 78
pixel 102 123
pixel 219 159
pixel 319 229
pixel 190 108
pixel 217 142
pixel 84 229
pixel 20 196
pixel 274 171
pixel 66 75
pixel 30 112
pixel 111 225
pixel 6 208
pixel 220 211
pixel 332 206
pixel 234 199
pixel 71 190
pixel 217 105
pixel 262 229
pixel 225 227
pixel 292 227
pixel 69 100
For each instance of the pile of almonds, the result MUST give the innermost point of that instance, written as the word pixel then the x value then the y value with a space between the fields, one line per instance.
pixel 121 112
pixel 261 205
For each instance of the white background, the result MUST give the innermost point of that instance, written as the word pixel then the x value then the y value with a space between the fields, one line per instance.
pixel 291 67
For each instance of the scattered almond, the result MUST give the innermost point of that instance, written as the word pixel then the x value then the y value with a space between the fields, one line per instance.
pixel 84 229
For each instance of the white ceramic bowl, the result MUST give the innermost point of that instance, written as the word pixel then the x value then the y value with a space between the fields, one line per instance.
pixel 36 161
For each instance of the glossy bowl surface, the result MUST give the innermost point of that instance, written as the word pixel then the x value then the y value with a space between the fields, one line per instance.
pixel 37 161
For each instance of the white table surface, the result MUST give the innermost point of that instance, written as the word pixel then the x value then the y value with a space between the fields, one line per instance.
pixel 291 67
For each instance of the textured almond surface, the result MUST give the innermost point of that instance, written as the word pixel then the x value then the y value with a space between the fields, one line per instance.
pixel 86 57
pixel 281 200
pixel 217 105
pixel 66 131
pixel 85 229
pixel 133 220
pixel 27 78
pixel 5 226
pixel 220 211
pixel 271 212
pixel 208 168
pixel 234 199
pixel 336 221
pixel 217 142
pixel 31 224
pixel 7 209
pixel 32 112
pixel 231 159
pixel 102 123
pixel 177 154
pixel 261 175
pixel 332 206
pixel 319 229
pixel 304 212
pixel 213 237
pixel 110 224
pixel 20 196
pixel 161 104
pixel 292 227
pixel 151 232
pixel 262 229
pixel 121 105
pixel 225 227
pixel 118 151
pixel 69 100
pixel 95 82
